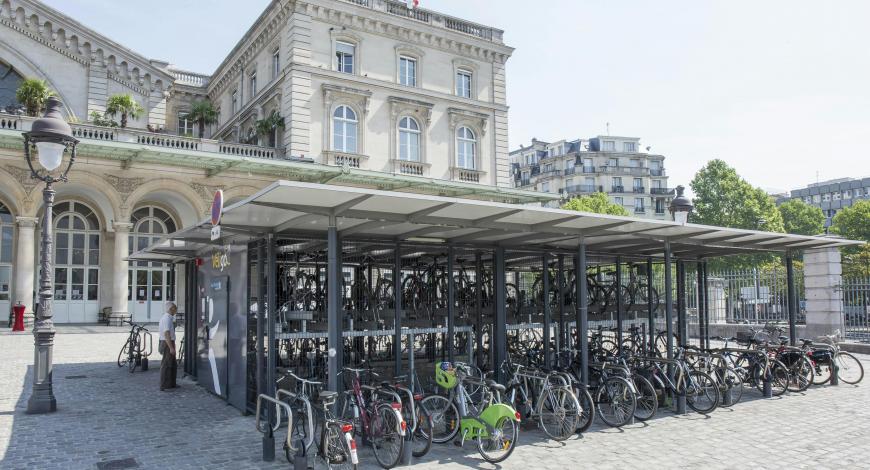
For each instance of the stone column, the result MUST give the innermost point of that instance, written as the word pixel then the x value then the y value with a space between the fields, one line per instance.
pixel 822 277
pixel 119 279
pixel 24 266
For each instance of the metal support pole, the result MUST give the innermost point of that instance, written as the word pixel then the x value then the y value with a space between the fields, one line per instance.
pixel 42 398
pixel 706 306
pixel 545 285
pixel 792 299
pixel 682 330
pixel 651 313
pixel 333 306
pixel 702 299
pixel 562 339
pixel 582 312
pixel 272 358
pixel 619 302
pixel 451 306
pixel 499 327
pixel 261 315
pixel 478 306
pixel 397 310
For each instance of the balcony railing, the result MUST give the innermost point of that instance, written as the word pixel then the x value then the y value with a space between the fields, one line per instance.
pixel 191 78
pixel 660 211
pixel 639 210
pixel 588 169
pixel 86 132
pixel 661 190
pixel 581 189
pixel 626 170
pixel 433 18
pixel 637 189
pixel 657 172
pixel 617 189
pixel 410 168
pixel 570 171
pixel 352 160
pixel 467 175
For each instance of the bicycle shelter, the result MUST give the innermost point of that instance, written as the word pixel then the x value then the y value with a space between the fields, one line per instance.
pixel 311 277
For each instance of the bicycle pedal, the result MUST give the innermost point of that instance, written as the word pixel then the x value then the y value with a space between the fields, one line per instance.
pixel 458 443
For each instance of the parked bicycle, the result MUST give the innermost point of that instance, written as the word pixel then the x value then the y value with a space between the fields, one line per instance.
pixel 137 347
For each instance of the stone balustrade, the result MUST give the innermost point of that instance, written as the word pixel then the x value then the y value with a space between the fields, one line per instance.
pixel 352 160
pixel 409 168
pixel 458 25
pixel 191 78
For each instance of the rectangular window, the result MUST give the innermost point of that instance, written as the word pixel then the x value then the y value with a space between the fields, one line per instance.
pixel 253 81
pixel 638 183
pixel 847 194
pixel 657 184
pixel 5 281
pixel 234 99
pixel 570 163
pixel 185 126
pixel 629 147
pixel 344 54
pixel 569 182
pixel 613 162
pixel 6 245
pixel 638 204
pixel 655 164
pixel 590 181
pixel 407 71
pixel 617 181
pixel 463 84
pixel 545 186
pixel 276 63
pixel 634 163
pixel 618 201
pixel 608 146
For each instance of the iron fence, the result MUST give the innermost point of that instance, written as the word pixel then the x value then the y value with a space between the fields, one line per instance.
pixel 856 307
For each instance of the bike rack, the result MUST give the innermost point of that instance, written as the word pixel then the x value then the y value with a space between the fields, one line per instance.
pixel 294 396
pixel 268 434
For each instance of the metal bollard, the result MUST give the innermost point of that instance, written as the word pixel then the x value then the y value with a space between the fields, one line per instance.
pixel 407 449
pixel 681 404
pixel 727 399
pixel 835 371
pixel 766 388
pixel 269 446
pixel 300 460
pixel 144 364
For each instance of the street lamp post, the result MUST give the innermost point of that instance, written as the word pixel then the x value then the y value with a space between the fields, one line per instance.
pixel 50 137
pixel 681 207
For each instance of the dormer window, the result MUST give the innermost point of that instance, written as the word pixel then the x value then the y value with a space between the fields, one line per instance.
pixel 629 147
pixel 344 56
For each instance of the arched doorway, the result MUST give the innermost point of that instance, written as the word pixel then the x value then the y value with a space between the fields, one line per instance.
pixel 7 231
pixel 76 263
pixel 149 284
pixel 9 82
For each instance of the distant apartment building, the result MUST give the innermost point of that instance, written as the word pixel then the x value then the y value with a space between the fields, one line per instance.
pixel 832 195
pixel 616 166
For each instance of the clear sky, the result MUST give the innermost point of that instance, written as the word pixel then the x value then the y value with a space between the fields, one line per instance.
pixel 778 89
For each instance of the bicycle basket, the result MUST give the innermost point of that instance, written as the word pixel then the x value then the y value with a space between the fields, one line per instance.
pixel 445 375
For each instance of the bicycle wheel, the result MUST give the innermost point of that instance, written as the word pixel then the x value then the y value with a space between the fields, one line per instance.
pixel 122 356
pixel 421 435
pixel 615 401
pixel 849 368
pixel 731 382
pixel 560 413
pixel 445 417
pixel 384 436
pixel 501 441
pixel 333 448
pixel 779 378
pixel 702 393
pixel 800 375
pixel 587 409
pixel 822 370
pixel 647 398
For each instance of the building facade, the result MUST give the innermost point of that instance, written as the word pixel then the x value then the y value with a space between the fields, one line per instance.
pixel 832 195
pixel 616 166
pixel 358 92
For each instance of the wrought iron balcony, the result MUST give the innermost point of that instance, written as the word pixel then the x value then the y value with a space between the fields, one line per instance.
pixel 638 189
pixel 617 189
pixel 580 189
pixel 661 191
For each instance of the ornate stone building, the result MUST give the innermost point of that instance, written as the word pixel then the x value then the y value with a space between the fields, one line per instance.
pixel 370 94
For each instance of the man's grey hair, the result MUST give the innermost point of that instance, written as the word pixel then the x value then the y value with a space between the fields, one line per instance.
pixel 169 306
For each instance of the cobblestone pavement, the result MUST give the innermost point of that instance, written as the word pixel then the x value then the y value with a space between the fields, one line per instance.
pixel 106 414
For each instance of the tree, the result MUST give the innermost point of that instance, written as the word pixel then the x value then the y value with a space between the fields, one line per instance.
pixel 801 218
pixel 724 199
pixel 203 113
pixel 597 203
pixel 31 94
pixel 267 126
pixel 854 223
pixel 124 105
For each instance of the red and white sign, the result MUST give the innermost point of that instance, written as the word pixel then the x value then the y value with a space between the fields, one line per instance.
pixel 217 207
pixel 412 4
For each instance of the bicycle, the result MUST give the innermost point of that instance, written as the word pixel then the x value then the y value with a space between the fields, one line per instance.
pixel 134 349
pixel 493 425
pixel 336 447
pixel 700 390
pixel 545 396
pixel 826 356
pixel 380 421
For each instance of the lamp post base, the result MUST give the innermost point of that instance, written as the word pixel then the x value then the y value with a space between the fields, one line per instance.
pixel 42 397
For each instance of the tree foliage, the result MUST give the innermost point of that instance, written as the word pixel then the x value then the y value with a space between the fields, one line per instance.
pixel 597 203
pixel 801 218
pixel 202 112
pixel 854 223
pixel 125 105
pixel 32 94
pixel 724 199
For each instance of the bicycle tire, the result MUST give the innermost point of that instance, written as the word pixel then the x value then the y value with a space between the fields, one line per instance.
pixel 801 374
pixel 615 402
pixel 422 433
pixel 702 383
pixel 563 410
pixel 822 372
pixel 849 368
pixel 647 398
pixel 731 382
pixel 383 428
pixel 124 352
pixel 333 448
pixel 494 444
pixel 587 409
pixel 445 417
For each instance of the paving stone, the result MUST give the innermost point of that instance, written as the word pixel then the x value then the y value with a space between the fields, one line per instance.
pixel 111 415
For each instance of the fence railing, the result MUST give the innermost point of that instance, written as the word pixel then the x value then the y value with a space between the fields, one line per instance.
pixel 856 308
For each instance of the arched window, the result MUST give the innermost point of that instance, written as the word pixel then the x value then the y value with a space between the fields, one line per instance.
pixel 77 252
pixel 149 283
pixel 6 235
pixel 409 140
pixel 344 129
pixel 466 148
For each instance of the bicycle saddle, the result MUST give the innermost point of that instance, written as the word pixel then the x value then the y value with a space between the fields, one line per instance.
pixel 327 395
pixel 493 385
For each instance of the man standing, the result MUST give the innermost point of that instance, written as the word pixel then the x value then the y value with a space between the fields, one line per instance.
pixel 168 363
